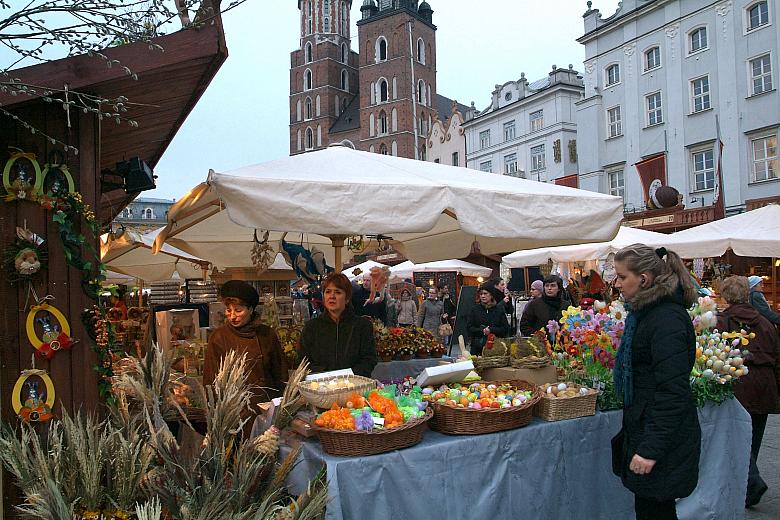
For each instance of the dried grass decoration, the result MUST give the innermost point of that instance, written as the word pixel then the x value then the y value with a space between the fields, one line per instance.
pixel 26 257
pixel 262 254
pixel 37 406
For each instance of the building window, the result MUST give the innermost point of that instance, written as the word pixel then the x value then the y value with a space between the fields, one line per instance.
pixel 148 214
pixel 613 74
pixel 381 49
pixel 486 166
pixel 421 51
pixel 307 112
pixel 326 25
pixel 758 15
pixel 703 170
pixel 423 153
pixel 617 183
pixel 421 92
pixel 537 158
pixel 484 139
pixel 700 92
pixel 383 149
pixel 537 120
pixel 344 80
pixel 309 139
pixel 308 17
pixel 382 122
pixel 326 14
pixel 344 53
pixel 307 80
pixel 697 40
pixel 761 74
pixel 125 213
pixel 344 22
pixel 308 52
pixel 510 164
pixel 655 113
pixel 765 163
pixel 652 58
pixel 614 122
pixel 509 130
pixel 455 159
pixel 382 90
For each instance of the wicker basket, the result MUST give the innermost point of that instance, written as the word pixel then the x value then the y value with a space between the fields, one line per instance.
pixel 529 346
pixel 561 408
pixel 485 362
pixel 329 397
pixel 531 362
pixel 348 443
pixel 468 421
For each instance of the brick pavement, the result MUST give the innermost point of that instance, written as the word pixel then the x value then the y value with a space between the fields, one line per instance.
pixel 769 466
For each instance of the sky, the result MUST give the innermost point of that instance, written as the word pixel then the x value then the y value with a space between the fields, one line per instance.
pixel 243 117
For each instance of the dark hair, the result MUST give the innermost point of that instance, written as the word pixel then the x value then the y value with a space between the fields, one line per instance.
pixel 554 278
pixel 240 291
pixel 640 258
pixel 340 281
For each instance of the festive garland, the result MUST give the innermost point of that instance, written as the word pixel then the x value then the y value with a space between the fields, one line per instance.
pixel 101 331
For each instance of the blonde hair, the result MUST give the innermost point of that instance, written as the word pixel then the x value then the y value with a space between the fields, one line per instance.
pixel 734 289
pixel 639 258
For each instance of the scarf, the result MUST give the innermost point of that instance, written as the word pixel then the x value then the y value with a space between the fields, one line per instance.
pixel 623 374
pixel 247 330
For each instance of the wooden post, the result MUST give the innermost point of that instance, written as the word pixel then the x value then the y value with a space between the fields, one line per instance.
pixel 774 284
pixel 140 292
pixel 338 245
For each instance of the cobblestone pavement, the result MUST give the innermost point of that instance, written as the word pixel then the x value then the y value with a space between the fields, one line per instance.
pixel 769 466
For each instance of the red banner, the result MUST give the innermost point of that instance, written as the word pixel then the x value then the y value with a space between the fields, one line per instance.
pixel 572 181
pixel 652 173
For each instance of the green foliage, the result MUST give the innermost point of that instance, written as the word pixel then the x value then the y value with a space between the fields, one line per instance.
pixel 708 390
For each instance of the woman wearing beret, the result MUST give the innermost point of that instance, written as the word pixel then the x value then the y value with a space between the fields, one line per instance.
pixel 245 334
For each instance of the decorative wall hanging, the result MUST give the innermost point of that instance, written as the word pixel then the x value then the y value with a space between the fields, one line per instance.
pixel 21 176
pixel 26 257
pixel 55 180
pixel 36 406
pixel 56 334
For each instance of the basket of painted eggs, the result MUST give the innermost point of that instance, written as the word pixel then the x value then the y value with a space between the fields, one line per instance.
pixel 565 401
pixel 373 423
pixel 324 393
pixel 481 407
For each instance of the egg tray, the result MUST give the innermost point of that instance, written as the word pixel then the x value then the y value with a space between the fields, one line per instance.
pixel 350 443
pixel 562 408
pixel 454 420
pixel 339 396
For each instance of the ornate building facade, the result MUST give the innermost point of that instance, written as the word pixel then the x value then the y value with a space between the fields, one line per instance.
pixel 381 100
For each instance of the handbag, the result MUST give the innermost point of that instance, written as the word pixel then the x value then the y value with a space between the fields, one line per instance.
pixel 445 329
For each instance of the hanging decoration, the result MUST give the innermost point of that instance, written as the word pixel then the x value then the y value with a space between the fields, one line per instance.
pixel 36 406
pixel 101 331
pixel 55 180
pixel 356 244
pixel 262 254
pixel 309 265
pixel 26 257
pixel 21 176
pixel 56 334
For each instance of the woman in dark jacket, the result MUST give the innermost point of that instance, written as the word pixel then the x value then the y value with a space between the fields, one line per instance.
pixel 486 318
pixel 656 453
pixel 541 310
pixel 758 390
pixel 339 338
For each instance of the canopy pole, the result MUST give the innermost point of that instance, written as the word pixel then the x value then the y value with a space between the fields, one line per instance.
pixel 338 245
pixel 140 292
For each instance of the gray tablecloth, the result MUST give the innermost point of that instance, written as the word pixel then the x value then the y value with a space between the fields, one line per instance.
pixel 396 370
pixel 559 470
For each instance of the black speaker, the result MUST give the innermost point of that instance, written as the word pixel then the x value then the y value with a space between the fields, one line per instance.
pixel 137 174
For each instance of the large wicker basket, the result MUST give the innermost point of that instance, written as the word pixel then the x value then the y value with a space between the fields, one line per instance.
pixel 468 421
pixel 349 443
pixel 327 398
pixel 483 363
pixel 531 362
pixel 560 408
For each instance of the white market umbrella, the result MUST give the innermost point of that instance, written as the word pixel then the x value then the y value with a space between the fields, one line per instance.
pixel 753 233
pixel 582 252
pixel 464 268
pixel 432 211
pixel 131 254
pixel 364 268
pixel 402 271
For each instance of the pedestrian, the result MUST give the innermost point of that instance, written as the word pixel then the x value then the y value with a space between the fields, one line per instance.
pixel 407 309
pixel 450 310
pixel 758 300
pixel 758 390
pixel 537 289
pixel 505 301
pixel 656 453
pixel 374 309
pixel 542 310
pixel 486 318
pixel 430 313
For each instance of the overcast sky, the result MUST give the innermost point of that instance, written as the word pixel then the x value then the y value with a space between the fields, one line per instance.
pixel 243 117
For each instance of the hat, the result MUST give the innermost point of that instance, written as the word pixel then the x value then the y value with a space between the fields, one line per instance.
pixel 497 295
pixel 538 285
pixel 241 291
pixel 754 280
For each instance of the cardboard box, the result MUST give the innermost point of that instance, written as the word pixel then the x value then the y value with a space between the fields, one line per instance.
pixel 537 376
pixel 449 373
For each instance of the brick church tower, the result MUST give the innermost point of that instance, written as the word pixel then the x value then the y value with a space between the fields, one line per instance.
pixel 395 80
pixel 323 73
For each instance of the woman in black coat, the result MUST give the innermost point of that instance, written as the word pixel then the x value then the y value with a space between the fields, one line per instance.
pixel 486 318
pixel 656 453
pixel 541 310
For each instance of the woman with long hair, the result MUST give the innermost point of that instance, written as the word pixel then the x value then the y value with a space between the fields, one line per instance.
pixel 656 453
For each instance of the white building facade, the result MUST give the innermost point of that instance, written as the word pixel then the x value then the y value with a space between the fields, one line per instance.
pixel 659 77
pixel 529 130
